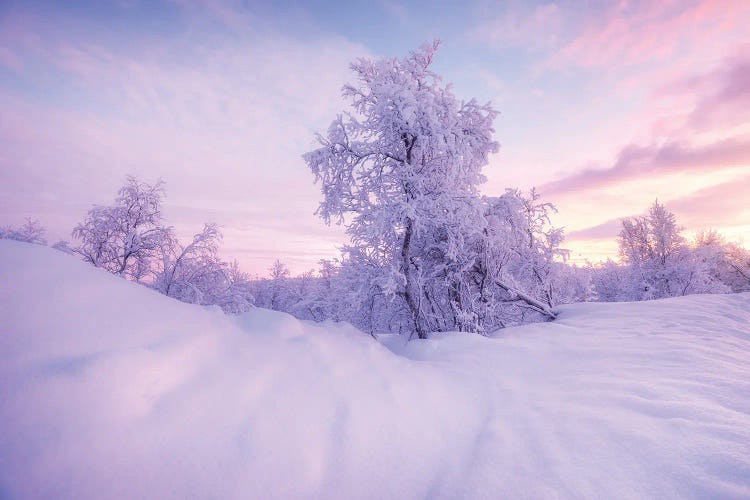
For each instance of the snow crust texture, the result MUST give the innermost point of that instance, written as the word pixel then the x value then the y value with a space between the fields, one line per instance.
pixel 111 390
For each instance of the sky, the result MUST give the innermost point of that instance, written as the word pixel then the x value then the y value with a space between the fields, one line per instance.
pixel 604 107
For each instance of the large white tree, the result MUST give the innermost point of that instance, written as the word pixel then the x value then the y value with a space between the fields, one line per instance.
pixel 403 170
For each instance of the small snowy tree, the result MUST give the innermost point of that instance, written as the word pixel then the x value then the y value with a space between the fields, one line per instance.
pixel 737 271
pixel 729 262
pixel 737 275
pixel 237 296
pixel 517 269
pixel 124 238
pixel 279 289
pixel 325 302
pixel 195 274
pixel 184 268
pixel 612 282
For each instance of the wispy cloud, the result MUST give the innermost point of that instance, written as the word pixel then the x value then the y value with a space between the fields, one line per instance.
pixel 522 26
pixel 721 205
pixel 606 230
pixel 608 34
pixel 223 122
pixel 724 204
pixel 698 130
pixel 636 161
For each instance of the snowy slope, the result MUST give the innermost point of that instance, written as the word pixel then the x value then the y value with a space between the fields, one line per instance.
pixel 110 390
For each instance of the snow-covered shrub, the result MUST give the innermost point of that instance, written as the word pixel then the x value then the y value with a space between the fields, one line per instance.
pixel 30 231
pixel 64 247
pixel 194 273
pixel 728 262
pixel 124 238
pixel 657 261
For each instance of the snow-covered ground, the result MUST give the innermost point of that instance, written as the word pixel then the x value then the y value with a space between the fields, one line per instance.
pixel 110 390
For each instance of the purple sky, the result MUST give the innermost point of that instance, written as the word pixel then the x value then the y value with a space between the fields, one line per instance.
pixel 604 107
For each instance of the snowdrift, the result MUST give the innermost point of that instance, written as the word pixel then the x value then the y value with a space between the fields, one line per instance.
pixel 110 390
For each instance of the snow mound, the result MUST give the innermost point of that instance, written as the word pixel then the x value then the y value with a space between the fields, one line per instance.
pixel 110 390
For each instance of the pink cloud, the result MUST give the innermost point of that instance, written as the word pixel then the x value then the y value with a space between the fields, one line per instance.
pixel 643 32
pixel 717 206
pixel 616 34
pixel 708 101
pixel 728 105
pixel 606 230
pixel 635 161
pixel 724 204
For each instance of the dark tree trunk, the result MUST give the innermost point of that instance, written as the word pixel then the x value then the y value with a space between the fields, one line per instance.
pixel 411 299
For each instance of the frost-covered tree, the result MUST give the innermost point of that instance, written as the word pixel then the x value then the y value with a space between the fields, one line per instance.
pixel 31 231
pixel 652 238
pixel 572 283
pixel 520 251
pixel 195 274
pixel 279 287
pixel 612 282
pixel 237 296
pixel 660 263
pixel 125 237
pixel 326 299
pixel 737 273
pixel 278 271
pixel 649 245
pixel 729 262
pixel 306 296
pixel 403 168
pixel 184 269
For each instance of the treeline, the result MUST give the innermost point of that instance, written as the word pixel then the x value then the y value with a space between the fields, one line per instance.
pixel 522 266
pixel 129 239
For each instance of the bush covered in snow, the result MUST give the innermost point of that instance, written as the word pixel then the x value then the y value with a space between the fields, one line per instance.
pixel 656 261
pixel 30 231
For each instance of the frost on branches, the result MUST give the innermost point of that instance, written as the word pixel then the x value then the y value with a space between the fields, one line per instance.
pixel 657 261
pixel 30 231
pixel 125 237
pixel 194 273
pixel 129 239
pixel 403 170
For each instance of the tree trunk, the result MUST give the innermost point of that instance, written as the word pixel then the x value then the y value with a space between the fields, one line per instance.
pixel 406 265
pixel 409 295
